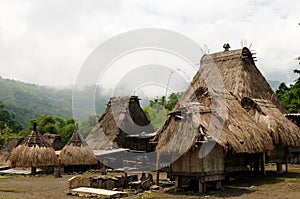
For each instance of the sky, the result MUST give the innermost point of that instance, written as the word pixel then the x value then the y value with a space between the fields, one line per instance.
pixel 47 42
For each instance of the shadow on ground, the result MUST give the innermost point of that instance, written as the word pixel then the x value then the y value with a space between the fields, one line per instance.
pixel 240 184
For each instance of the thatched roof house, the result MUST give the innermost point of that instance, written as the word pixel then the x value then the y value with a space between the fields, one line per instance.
pixel 7 149
pixel 54 140
pixel 122 117
pixel 242 78
pixel 33 152
pixel 208 137
pixel 76 153
pixel 220 118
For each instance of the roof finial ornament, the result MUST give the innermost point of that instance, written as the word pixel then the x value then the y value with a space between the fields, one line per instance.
pixel 226 46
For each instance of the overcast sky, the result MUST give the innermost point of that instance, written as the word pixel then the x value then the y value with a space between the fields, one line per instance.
pixel 46 42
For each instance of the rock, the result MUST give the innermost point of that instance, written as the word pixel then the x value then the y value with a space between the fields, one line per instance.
pixel 78 181
pixel 154 187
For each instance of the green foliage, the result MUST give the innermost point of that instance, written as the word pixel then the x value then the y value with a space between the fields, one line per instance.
pixel 52 124
pixel 8 126
pixel 159 108
pixel 5 133
pixel 27 101
pixel 66 132
pixel 87 125
pixel 289 96
pixel 8 119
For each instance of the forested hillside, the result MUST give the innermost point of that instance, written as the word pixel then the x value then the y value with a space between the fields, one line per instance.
pixel 28 101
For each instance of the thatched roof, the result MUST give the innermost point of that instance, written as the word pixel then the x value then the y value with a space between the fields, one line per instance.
pixel 283 131
pixel 197 119
pixel 34 151
pixel 239 75
pixel 7 149
pixel 123 116
pixel 76 153
pixel 54 140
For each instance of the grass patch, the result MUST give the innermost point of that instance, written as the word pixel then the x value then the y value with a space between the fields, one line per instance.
pixel 146 194
pixel 10 176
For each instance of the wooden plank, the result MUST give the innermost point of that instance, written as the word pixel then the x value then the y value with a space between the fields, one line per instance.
pixel 17 171
pixel 88 192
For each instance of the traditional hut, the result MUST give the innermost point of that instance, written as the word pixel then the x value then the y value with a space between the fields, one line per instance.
pixel 33 152
pixel 254 127
pixel 76 153
pixel 7 149
pixel 192 130
pixel 54 140
pixel 120 126
pixel 242 78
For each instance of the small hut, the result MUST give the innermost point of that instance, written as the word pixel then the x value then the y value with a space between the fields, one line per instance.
pixel 33 152
pixel 7 149
pixel 54 140
pixel 120 126
pixel 76 153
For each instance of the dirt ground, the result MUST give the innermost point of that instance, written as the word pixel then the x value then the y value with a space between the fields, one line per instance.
pixel 271 186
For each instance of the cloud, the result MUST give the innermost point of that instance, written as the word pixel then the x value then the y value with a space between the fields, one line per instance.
pixel 46 42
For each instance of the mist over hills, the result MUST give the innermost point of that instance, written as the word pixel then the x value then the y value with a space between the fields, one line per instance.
pixel 29 101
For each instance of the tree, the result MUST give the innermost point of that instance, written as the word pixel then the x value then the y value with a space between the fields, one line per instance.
pixel 53 124
pixel 290 96
pixel 87 125
pixel 8 127
pixel 159 108
pixel 8 119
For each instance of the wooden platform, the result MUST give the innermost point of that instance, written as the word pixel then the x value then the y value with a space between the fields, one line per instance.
pixel 17 171
pixel 92 192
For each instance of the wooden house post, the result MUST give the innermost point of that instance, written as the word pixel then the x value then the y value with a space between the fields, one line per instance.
pixel 263 159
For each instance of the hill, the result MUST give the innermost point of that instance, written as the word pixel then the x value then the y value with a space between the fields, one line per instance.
pixel 29 101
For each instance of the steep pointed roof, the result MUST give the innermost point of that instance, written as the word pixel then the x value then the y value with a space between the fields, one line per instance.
pixel 34 151
pixel 75 152
pixel 239 75
pixel 123 116
pixel 235 72
pixel 75 139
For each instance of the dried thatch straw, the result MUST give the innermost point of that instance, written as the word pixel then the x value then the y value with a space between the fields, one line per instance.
pixel 34 151
pixel 122 116
pixel 195 120
pixel 239 75
pixel 54 140
pixel 7 149
pixel 242 78
pixel 75 153
pixel 282 131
